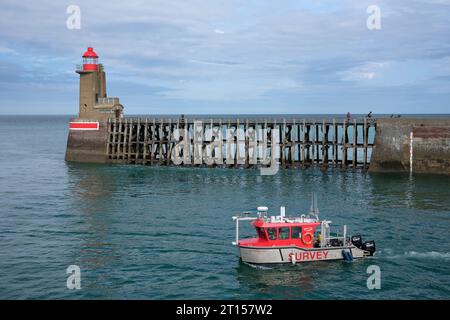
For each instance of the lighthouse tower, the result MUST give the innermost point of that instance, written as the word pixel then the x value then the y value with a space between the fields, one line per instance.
pixel 94 103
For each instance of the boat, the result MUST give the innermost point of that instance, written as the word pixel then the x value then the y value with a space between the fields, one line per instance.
pixel 282 239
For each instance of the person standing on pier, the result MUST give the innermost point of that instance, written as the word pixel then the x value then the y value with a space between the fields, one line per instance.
pixel 348 116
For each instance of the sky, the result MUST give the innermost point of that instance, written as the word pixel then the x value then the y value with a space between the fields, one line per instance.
pixel 230 57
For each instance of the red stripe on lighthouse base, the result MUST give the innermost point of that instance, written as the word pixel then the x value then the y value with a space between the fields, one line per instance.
pixel 84 125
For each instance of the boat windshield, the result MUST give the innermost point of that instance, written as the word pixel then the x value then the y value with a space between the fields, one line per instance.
pixel 283 233
pixel 296 232
pixel 272 233
pixel 261 233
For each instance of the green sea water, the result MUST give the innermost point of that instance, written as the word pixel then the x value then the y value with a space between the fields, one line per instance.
pixel 165 233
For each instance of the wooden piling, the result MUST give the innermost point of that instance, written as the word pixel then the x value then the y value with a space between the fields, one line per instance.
pixel 145 142
pixel 282 133
pixel 246 146
pixel 344 144
pixel 355 144
pixel 160 134
pixel 324 141
pixel 333 143
pixel 113 142
pixel 150 141
pixel 303 143
pixel 365 138
pixel 293 142
pixel 129 137
pixel 122 139
pixel 138 141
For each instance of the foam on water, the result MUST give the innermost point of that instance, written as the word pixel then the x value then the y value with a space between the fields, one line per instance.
pixel 388 253
pixel 425 255
pixel 257 266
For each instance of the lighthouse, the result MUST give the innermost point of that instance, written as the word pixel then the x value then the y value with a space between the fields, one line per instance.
pixel 94 104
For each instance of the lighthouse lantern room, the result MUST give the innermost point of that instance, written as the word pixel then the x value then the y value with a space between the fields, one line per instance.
pixel 90 60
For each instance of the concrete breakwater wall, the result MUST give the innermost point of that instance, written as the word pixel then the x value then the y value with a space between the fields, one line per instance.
pixel 89 145
pixel 385 145
pixel 413 144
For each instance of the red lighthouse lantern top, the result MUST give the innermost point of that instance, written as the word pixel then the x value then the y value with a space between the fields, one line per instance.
pixel 90 60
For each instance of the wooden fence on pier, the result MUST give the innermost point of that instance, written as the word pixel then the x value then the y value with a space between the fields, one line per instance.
pixel 246 143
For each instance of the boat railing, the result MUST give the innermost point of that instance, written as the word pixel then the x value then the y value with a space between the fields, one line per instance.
pixel 335 238
pixel 327 237
pixel 237 219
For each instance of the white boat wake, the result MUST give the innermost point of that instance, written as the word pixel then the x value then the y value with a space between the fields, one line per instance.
pixel 419 255
pixel 255 266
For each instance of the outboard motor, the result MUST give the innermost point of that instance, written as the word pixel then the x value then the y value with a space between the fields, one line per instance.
pixel 357 241
pixel 369 246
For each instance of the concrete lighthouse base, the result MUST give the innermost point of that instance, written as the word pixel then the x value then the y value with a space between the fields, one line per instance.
pixel 87 145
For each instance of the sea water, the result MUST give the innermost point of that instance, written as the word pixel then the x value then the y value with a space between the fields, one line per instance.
pixel 165 233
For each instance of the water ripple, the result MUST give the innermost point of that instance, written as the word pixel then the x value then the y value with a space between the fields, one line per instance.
pixel 165 233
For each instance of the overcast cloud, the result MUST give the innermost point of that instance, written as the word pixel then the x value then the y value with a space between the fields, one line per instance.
pixel 244 56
